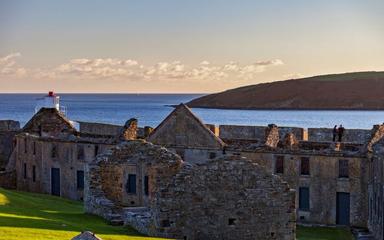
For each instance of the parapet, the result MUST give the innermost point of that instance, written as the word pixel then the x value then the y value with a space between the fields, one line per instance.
pixel 350 135
pixel 257 132
pixel 242 132
pixel 9 125
pixel 100 128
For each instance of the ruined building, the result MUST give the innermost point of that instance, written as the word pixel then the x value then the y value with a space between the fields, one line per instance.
pixel 219 177
pixel 376 186
pixel 330 179
pixel 8 130
pixel 225 198
pixel 50 154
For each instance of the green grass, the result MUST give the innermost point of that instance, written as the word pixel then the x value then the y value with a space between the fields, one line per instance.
pixel 37 216
pixel 323 233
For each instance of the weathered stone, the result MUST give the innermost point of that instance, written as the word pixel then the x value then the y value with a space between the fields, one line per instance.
pixel 272 136
pixel 225 198
pixel 86 236
pixel 376 188
pixel 9 125
pixel 147 131
pixel 173 131
pixel 350 135
pixel 7 144
pixel 49 122
pixel 99 128
pixel 8 179
pixel 186 137
pixel 129 131
pixel 290 141
pixel 49 142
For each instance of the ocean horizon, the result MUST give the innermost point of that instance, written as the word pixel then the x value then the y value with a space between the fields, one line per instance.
pixel 150 109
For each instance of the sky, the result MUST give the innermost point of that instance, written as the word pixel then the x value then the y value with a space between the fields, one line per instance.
pixel 174 46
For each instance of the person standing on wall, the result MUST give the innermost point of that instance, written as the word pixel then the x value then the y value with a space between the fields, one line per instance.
pixel 334 133
pixel 340 131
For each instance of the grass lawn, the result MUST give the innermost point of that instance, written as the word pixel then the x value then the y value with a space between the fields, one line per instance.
pixel 38 216
pixel 323 233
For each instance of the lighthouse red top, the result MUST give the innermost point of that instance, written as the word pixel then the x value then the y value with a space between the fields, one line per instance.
pixel 51 94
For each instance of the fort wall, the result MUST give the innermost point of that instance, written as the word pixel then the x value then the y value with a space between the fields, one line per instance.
pixel 376 191
pixel 36 157
pixel 8 129
pixel 350 135
pixel 256 132
pixel 100 128
pixel 6 147
pixel 180 208
pixel 323 183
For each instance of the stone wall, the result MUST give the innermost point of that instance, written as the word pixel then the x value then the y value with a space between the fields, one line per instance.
pixel 8 129
pixel 105 188
pixel 300 133
pixel 9 125
pixel 224 198
pixel 38 155
pixel 323 182
pixel 350 135
pixel 129 130
pixel 6 147
pixel 241 132
pixel 376 191
pixel 182 128
pixel 213 128
pixel 227 198
pixel 271 136
pixel 8 179
pixel 100 128
pixel 49 122
pixel 256 132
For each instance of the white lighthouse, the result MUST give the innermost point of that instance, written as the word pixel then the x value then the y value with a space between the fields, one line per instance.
pixel 50 101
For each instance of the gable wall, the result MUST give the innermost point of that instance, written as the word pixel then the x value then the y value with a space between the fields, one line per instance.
pixel 182 129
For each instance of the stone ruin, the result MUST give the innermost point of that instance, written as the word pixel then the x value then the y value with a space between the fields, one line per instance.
pixel 225 198
pixel 86 236
pixel 272 136
pixel 129 130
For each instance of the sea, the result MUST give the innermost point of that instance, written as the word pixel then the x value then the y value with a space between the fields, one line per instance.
pixel 151 109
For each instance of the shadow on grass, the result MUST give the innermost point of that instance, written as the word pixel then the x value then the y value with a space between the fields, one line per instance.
pixel 39 211
pixel 323 233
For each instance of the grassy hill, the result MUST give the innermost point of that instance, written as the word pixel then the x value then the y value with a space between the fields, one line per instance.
pixel 37 216
pixel 353 91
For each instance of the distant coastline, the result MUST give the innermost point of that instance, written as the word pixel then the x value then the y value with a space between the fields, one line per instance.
pixel 288 109
pixel 358 91
pixel 281 109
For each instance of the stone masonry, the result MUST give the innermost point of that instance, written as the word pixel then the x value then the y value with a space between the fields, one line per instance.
pixel 225 198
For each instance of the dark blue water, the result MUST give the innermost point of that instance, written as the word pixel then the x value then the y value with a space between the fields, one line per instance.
pixel 151 109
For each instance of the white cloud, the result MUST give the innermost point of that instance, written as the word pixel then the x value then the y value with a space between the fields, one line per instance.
pixel 9 67
pixel 131 70
pixel 9 60
pixel 273 62
pixel 205 63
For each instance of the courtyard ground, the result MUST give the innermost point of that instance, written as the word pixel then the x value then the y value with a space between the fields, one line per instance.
pixel 38 216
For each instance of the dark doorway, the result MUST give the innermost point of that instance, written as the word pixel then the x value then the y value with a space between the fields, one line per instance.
pixel 55 181
pixel 342 208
